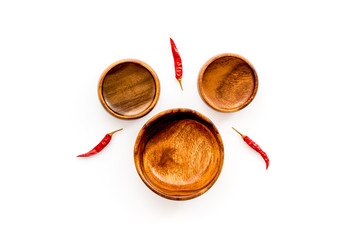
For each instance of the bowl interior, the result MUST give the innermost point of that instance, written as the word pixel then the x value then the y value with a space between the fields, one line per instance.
pixel 228 82
pixel 129 89
pixel 179 154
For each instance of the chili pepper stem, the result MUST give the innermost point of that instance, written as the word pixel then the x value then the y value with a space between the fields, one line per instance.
pixel 242 135
pixel 179 79
pixel 115 131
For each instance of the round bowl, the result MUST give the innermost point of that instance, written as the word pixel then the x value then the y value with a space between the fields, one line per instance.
pixel 179 154
pixel 227 82
pixel 129 89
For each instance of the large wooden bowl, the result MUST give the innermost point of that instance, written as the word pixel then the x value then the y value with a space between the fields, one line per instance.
pixel 179 154
pixel 129 88
pixel 227 82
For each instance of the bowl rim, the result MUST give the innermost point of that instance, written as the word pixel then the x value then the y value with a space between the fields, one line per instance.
pixel 137 154
pixel 157 88
pixel 202 92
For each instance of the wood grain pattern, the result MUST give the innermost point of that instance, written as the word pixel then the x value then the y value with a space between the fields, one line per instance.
pixel 129 89
pixel 227 82
pixel 179 154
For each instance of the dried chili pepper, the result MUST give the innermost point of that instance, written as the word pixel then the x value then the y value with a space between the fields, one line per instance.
pixel 177 62
pixel 256 147
pixel 104 142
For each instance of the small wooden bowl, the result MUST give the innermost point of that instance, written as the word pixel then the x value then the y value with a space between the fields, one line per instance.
pixel 129 89
pixel 227 82
pixel 179 154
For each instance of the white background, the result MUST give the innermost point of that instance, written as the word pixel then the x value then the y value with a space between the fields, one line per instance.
pixel 305 116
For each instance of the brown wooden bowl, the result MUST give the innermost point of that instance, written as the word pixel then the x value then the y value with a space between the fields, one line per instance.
pixel 227 82
pixel 129 88
pixel 179 154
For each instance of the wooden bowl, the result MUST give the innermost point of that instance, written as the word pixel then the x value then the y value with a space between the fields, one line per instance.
pixel 179 154
pixel 227 82
pixel 129 89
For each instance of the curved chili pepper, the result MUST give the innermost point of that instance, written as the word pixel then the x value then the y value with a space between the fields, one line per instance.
pixel 177 62
pixel 256 147
pixel 104 142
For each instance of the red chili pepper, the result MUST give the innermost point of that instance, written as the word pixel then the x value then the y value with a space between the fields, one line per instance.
pixel 256 147
pixel 177 62
pixel 104 142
